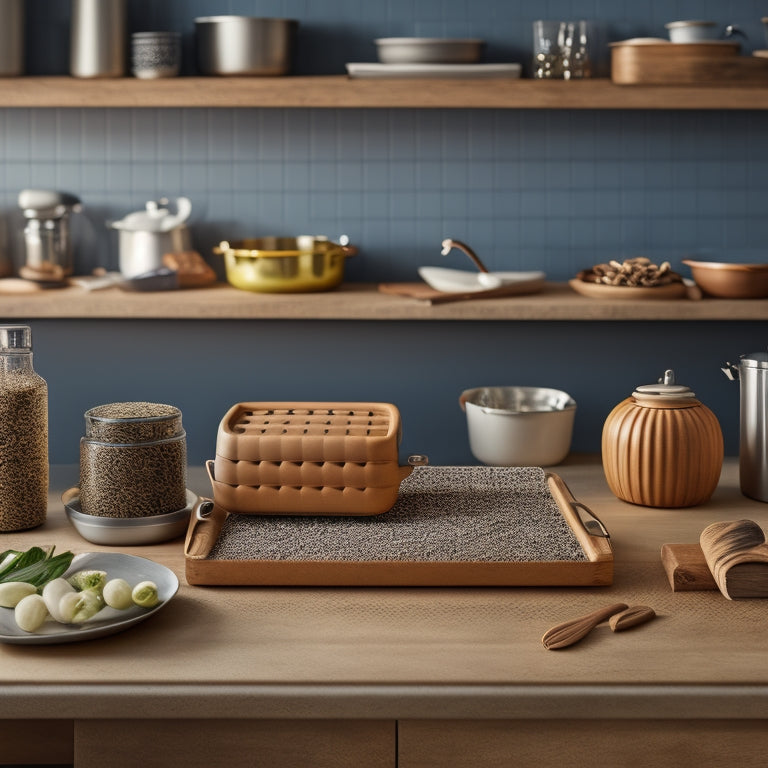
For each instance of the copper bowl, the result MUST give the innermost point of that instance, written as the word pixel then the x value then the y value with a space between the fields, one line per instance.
pixel 730 281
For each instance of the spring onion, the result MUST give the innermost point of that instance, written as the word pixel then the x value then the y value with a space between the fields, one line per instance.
pixel 117 594
pixel 145 594
pixel 12 592
pixel 53 591
pixel 30 613
pixel 36 566
pixel 68 604
pixel 83 580
pixel 88 605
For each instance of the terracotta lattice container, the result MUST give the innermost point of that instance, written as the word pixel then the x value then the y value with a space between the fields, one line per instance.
pixel 662 448
pixel 308 459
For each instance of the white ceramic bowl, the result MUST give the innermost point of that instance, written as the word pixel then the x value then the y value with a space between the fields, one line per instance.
pixel 519 426
pixel 127 531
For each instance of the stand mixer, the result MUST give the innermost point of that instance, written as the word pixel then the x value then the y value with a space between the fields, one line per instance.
pixel 47 246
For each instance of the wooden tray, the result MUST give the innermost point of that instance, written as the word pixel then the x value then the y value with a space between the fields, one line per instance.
pixel 703 63
pixel 448 519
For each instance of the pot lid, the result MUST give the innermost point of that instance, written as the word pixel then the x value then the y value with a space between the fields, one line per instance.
pixel 156 217
pixel 754 360
pixel 664 389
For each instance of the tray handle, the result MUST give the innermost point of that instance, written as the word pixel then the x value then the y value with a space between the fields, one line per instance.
pixel 204 528
pixel 591 532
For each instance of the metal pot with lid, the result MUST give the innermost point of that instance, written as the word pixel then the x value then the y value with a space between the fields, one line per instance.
pixel 146 236
pixel 752 374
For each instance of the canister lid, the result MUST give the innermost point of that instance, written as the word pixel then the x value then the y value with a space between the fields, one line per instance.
pixel 755 360
pixel 664 389
pixel 15 338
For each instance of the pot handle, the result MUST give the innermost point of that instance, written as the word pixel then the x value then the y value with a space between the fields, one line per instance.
pixel 415 460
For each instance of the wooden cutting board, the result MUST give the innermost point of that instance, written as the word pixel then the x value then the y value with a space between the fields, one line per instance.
pixel 424 292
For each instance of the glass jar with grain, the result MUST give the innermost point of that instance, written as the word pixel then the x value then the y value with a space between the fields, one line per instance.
pixel 23 433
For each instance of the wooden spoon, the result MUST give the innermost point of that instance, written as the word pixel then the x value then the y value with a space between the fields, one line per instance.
pixel 571 631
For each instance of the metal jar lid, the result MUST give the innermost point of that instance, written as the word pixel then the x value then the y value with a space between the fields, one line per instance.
pixel 754 360
pixel 133 422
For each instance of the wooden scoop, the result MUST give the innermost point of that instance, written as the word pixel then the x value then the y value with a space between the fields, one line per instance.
pixel 570 632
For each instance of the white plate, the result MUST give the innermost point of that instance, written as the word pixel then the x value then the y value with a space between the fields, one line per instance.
pixel 108 621
pixel 464 281
pixel 360 69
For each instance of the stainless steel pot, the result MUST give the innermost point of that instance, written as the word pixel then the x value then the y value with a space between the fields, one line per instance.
pixel 142 251
pixel 146 236
pixel 244 45
pixel 752 374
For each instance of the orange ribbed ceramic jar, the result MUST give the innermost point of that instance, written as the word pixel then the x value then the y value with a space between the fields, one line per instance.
pixel 662 447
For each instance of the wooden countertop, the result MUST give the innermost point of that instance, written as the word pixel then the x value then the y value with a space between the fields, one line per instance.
pixel 423 653
pixel 361 301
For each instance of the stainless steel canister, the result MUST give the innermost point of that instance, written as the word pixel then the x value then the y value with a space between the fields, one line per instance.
pixel 98 38
pixel 752 373
pixel 11 38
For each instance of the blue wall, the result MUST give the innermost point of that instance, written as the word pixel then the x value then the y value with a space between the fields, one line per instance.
pixel 550 190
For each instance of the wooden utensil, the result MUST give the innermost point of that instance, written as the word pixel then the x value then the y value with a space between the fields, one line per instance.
pixel 737 554
pixel 570 632
pixel 632 617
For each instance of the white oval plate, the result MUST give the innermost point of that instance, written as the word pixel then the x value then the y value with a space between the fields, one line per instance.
pixel 463 281
pixel 107 621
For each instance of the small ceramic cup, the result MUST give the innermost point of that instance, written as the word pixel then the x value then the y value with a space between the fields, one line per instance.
pixel 155 54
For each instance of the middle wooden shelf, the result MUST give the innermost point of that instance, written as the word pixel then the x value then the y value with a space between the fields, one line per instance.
pixel 362 301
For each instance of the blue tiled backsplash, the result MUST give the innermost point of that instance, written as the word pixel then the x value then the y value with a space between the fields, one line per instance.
pixel 552 190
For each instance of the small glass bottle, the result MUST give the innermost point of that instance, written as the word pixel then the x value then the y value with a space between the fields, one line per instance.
pixel 23 433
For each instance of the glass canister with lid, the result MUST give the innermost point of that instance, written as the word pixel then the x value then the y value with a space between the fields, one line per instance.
pixel 133 460
pixel 23 433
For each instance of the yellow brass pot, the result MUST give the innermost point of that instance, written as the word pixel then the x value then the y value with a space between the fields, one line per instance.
pixel 284 264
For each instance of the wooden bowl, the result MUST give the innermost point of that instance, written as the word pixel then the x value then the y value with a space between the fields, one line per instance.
pixel 730 281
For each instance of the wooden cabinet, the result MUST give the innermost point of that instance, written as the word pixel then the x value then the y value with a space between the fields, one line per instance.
pixel 596 743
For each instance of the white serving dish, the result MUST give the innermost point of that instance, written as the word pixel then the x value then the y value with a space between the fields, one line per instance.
pixel 464 281
pixel 127 531
pixel 363 69
pixel 519 426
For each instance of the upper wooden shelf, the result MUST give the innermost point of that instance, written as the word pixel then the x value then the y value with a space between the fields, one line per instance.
pixel 358 301
pixel 339 91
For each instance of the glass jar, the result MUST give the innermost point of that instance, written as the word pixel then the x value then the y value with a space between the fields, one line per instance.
pixel 133 460
pixel 23 433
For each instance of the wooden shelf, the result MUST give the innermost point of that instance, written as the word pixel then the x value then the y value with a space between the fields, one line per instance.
pixel 357 301
pixel 339 91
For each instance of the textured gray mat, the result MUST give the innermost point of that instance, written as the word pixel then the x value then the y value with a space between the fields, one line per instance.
pixel 443 514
